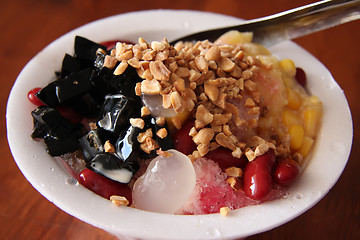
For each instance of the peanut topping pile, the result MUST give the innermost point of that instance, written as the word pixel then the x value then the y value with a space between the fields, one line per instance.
pixel 202 78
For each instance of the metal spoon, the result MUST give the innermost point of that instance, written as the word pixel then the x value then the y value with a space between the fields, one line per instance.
pixel 290 24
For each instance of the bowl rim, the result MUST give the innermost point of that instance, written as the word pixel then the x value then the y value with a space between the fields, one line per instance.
pixel 241 222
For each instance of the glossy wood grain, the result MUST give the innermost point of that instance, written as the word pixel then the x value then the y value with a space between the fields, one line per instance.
pixel 28 26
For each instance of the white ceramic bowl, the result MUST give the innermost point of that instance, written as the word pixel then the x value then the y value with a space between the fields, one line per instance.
pixel 49 178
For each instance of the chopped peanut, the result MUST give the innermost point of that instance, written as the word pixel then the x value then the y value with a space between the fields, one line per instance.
pixel 162 133
pixel 201 63
pixel 225 141
pixel 211 91
pixel 177 102
pixel 237 152
pixel 109 148
pixel 213 54
pixel 226 64
pixel 160 121
pixel 163 153
pixel 145 111
pixel 120 69
pixel 204 115
pixel 119 200
pixel 203 149
pixel 110 62
pixel 234 172
pixel 144 135
pixel 234 182
pixel 159 71
pixel 137 122
pixel 204 136
pixel 224 211
pixel 150 87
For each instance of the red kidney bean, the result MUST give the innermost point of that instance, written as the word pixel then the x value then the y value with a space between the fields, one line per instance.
pixel 225 159
pixel 257 180
pixel 182 141
pixel 300 77
pixel 104 186
pixel 33 99
pixel 286 172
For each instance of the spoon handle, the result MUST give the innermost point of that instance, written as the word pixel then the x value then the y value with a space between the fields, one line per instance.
pixel 290 24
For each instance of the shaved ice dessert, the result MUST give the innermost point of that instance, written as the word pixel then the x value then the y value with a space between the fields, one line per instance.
pixel 195 128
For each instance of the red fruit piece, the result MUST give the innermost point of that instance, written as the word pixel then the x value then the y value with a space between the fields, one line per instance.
pixel 300 77
pixel 257 180
pixel 182 141
pixel 33 99
pixel 286 172
pixel 225 159
pixel 104 186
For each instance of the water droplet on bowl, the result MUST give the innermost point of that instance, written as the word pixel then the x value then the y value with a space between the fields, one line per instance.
pixel 52 169
pixel 299 196
pixel 331 86
pixel 337 147
pixel 186 24
pixel 213 232
pixel 71 181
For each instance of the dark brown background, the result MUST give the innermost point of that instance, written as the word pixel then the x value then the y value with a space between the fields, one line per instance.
pixel 28 26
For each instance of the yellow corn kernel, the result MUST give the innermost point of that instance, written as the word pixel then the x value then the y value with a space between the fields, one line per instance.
pixel 183 116
pixel 289 82
pixel 294 99
pixel 289 118
pixel 311 120
pixel 288 66
pixel 296 133
pixel 306 147
pixel 312 102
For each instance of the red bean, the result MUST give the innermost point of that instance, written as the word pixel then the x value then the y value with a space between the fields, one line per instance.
pixel 257 180
pixel 286 172
pixel 300 77
pixel 33 99
pixel 182 141
pixel 104 186
pixel 225 159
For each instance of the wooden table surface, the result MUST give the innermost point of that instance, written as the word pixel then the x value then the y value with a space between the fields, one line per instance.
pixel 28 26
